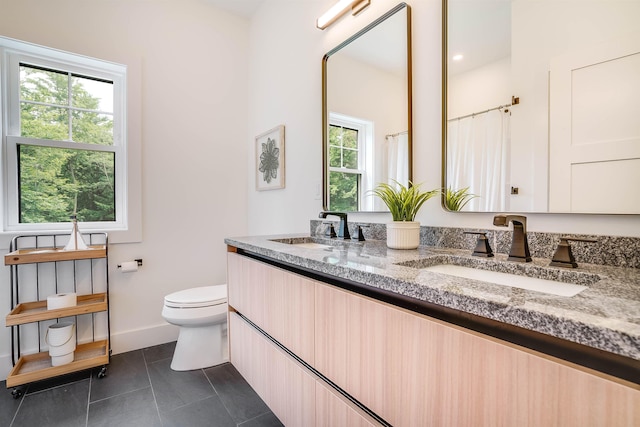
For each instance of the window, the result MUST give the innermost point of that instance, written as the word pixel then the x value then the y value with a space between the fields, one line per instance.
pixel 63 136
pixel 348 149
pixel 344 174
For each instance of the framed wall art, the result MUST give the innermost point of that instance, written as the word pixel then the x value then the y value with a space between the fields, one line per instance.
pixel 270 159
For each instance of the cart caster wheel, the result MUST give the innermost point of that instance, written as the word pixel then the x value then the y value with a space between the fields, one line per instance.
pixel 17 393
pixel 103 372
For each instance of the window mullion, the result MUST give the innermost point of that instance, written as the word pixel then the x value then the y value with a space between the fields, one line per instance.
pixel 69 112
pixel 69 145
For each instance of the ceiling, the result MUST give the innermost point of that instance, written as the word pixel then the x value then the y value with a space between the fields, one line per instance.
pixel 384 46
pixel 479 30
pixel 245 8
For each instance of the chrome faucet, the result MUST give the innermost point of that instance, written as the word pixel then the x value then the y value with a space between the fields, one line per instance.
pixel 343 228
pixel 519 245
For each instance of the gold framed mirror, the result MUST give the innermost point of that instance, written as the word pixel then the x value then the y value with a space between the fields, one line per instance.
pixel 540 113
pixel 366 113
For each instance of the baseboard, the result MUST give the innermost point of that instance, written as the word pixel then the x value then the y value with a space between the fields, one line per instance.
pixel 121 342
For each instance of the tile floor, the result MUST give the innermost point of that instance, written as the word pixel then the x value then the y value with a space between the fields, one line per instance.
pixel 139 390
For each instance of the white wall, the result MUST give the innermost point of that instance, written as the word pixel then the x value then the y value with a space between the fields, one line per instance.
pixel 480 89
pixel 285 88
pixel 286 29
pixel 190 68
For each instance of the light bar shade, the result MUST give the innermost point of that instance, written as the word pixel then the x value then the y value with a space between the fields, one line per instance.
pixel 339 9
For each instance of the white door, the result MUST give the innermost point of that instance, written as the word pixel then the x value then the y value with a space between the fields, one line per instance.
pixel 594 129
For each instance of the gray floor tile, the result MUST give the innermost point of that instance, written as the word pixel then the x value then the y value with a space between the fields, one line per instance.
pixel 174 389
pixel 58 381
pixel 64 406
pixel 140 390
pixel 126 372
pixel 264 420
pixel 235 393
pixel 8 405
pixel 204 413
pixel 136 408
pixel 159 352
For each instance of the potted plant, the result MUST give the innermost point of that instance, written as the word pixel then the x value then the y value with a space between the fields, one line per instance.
pixel 403 203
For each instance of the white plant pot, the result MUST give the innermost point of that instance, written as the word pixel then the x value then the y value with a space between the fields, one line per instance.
pixel 403 234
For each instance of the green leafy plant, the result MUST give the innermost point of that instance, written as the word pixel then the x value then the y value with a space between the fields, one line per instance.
pixel 455 200
pixel 403 202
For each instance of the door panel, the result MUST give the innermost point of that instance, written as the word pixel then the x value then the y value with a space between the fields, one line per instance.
pixel 594 129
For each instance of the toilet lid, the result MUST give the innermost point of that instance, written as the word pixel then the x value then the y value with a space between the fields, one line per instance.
pixel 204 296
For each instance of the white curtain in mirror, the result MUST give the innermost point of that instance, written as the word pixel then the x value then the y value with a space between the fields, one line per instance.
pixel 397 157
pixel 477 157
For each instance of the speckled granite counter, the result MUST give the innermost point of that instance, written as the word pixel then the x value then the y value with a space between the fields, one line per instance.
pixel 605 316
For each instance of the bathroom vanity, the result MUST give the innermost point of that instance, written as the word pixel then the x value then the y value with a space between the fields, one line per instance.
pixel 330 332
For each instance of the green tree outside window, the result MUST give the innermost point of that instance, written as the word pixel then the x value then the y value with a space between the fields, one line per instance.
pixel 343 155
pixel 55 183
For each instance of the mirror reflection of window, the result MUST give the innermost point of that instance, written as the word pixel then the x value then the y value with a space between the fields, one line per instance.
pixel 349 142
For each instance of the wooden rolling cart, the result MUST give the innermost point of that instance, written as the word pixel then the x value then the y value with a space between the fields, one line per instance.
pixel 41 267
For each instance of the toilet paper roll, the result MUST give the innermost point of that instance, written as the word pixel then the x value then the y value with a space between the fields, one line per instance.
pixel 62 300
pixel 129 266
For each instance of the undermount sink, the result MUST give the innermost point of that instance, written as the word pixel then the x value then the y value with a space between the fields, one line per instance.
pixel 311 245
pixel 529 276
pixel 506 279
pixel 302 242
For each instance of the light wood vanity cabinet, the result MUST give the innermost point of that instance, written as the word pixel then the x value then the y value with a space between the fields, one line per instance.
pixel 279 302
pixel 412 370
pixel 293 393
pixel 416 371
pixel 285 386
pixel 333 411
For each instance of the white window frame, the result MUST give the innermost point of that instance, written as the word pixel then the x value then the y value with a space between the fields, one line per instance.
pixel 365 155
pixel 12 54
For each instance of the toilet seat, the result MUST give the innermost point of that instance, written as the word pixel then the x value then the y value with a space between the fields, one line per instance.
pixel 205 296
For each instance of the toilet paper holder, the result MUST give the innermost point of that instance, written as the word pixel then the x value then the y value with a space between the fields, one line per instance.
pixel 138 260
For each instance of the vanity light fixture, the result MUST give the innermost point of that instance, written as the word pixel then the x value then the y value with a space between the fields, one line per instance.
pixel 339 9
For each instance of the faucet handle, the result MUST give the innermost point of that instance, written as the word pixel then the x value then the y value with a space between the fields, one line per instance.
pixel 482 249
pixel 563 257
pixel 330 230
pixel 360 236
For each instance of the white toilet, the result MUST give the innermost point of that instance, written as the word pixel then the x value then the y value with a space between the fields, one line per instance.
pixel 201 314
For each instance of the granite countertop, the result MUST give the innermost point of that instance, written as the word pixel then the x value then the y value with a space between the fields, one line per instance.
pixel 605 316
